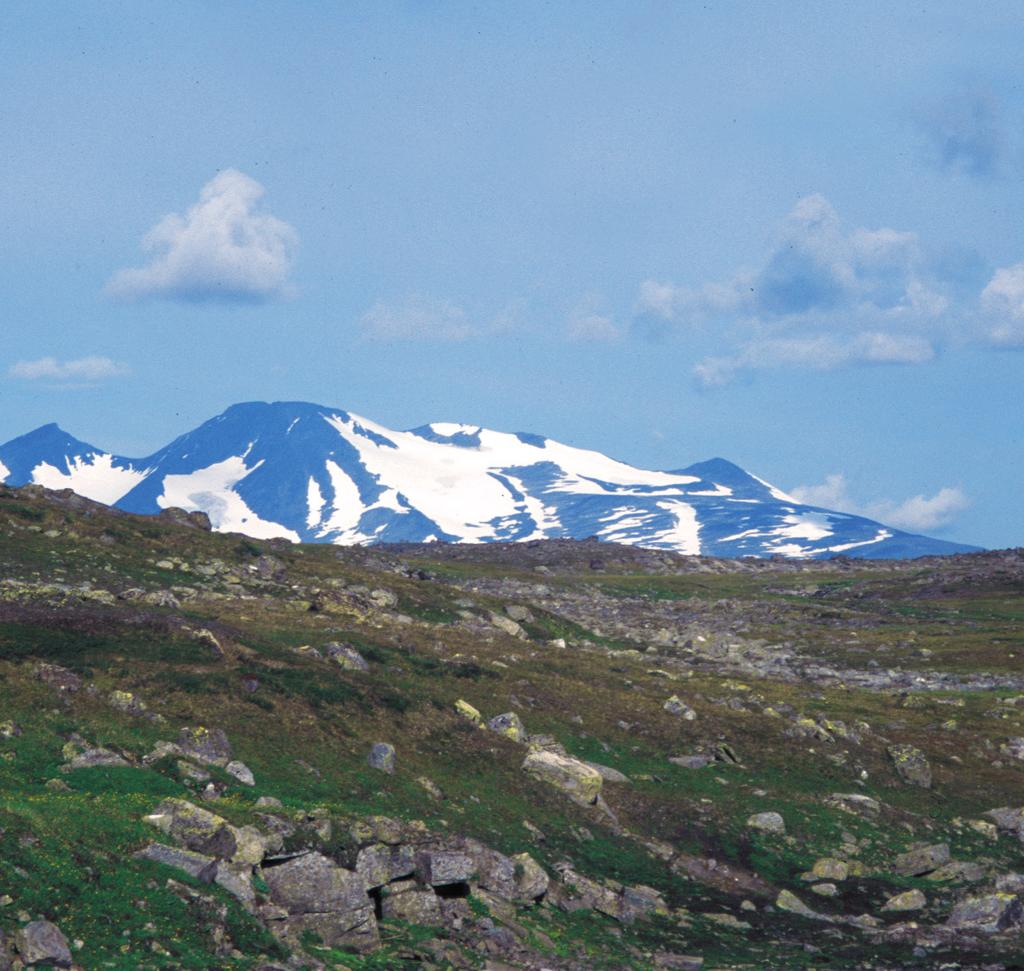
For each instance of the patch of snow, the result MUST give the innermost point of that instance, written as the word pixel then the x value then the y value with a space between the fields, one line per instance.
pixel 777 493
pixel 882 535
pixel 314 503
pixel 4 472
pixel 210 490
pixel 684 535
pixel 808 525
pixel 95 477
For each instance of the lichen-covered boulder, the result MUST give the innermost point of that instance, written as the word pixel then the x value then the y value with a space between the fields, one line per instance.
pixel 467 711
pixel 346 657
pixel 911 765
pixel 209 745
pixel 509 725
pixel 770 822
pixel 576 779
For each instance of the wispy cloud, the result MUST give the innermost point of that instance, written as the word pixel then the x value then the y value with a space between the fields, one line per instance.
pixel 823 352
pixel 416 318
pixel 966 133
pixel 222 248
pixel 83 369
pixel 1002 301
pixel 917 514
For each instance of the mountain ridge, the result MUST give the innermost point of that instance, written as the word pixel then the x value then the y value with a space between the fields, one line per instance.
pixel 312 473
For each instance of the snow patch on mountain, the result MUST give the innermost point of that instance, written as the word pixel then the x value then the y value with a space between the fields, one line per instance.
pixel 210 490
pixel 96 477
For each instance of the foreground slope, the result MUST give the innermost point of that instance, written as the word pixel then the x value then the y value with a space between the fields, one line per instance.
pixel 759 764
pixel 312 474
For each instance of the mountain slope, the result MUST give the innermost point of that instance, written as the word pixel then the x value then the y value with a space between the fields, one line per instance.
pixel 313 474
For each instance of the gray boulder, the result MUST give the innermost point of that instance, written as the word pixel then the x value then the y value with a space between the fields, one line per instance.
pixel 916 863
pixel 988 913
pixel 382 757
pixel 209 745
pixel 317 895
pixel 42 943
pixel 911 765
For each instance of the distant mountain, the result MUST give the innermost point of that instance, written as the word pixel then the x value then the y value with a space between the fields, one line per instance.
pixel 315 474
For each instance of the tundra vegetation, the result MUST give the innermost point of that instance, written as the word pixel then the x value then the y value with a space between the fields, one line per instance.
pixel 219 752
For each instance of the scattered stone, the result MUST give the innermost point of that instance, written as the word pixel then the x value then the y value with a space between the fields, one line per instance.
pixel 467 711
pixel 769 822
pixel 792 904
pixel 519 613
pixel 40 942
pixel 608 773
pixel 911 765
pixel 828 868
pixel 507 625
pixel 825 889
pixel 96 757
pixel 988 914
pixel 691 761
pixel 241 772
pixel 575 778
pixel 916 863
pixel 346 657
pixel 509 725
pixel 676 706
pixel 382 757
pixel 207 745
pixel 907 901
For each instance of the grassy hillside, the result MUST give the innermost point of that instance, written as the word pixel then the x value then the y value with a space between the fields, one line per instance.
pixel 796 685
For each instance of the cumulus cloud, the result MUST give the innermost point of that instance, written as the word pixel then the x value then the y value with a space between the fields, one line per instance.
pixel 416 318
pixel 822 352
pixel 222 248
pixel 1002 300
pixel 917 514
pixel 966 133
pixel 83 369
pixel 825 296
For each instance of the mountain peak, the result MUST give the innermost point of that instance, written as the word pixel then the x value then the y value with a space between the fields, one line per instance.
pixel 309 473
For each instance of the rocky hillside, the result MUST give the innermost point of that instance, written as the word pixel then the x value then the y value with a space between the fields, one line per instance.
pixel 308 473
pixel 220 752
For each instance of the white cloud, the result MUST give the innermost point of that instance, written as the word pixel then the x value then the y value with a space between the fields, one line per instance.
pixel 592 328
pixel 87 369
pixel 1003 301
pixel 416 319
pixel 917 514
pixel 223 248
pixel 820 352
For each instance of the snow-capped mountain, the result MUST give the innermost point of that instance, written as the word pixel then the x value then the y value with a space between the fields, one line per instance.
pixel 315 474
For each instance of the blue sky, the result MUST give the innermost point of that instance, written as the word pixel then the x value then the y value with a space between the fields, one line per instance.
pixel 787 234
